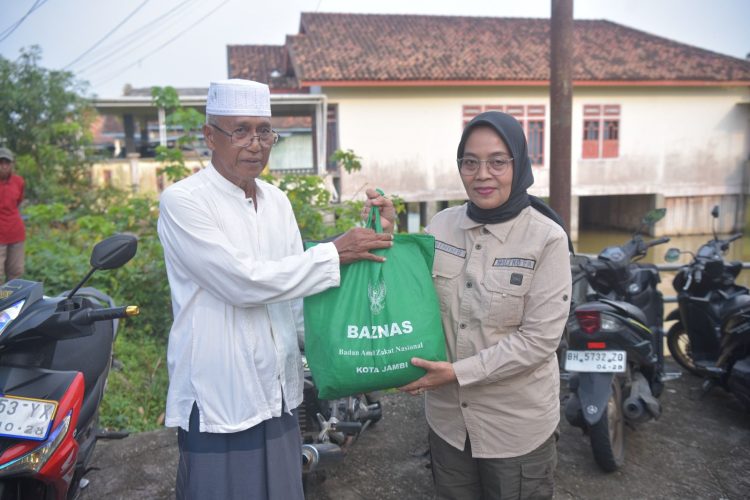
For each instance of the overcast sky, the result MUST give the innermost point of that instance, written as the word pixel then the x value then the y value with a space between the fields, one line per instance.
pixel 183 43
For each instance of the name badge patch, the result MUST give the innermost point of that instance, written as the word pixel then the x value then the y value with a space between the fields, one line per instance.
pixel 514 262
pixel 443 246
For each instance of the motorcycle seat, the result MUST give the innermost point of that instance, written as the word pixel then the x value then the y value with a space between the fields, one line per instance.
pixel 736 305
pixel 628 309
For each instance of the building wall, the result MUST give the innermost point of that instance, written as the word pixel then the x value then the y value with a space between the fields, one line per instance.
pixel 673 142
pixel 676 142
pixel 122 173
pixel 407 137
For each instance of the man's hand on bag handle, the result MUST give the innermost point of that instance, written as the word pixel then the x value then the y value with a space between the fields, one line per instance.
pixel 438 373
pixel 355 244
pixel 385 205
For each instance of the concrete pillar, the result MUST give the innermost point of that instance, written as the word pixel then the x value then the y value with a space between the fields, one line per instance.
pixel 129 125
pixel 162 127
pixel 143 122
pixel 430 209
pixel 412 217
pixel 660 228
pixel 573 231
pixel 135 175
pixel 320 122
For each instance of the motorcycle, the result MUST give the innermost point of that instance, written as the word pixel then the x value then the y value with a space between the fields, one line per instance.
pixel 55 355
pixel 615 347
pixel 330 427
pixel 711 335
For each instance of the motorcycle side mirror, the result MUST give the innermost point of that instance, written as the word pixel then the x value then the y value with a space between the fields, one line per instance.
pixel 111 253
pixel 672 255
pixel 715 212
pixel 654 216
pixel 114 252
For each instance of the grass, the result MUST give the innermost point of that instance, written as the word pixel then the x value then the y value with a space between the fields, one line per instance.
pixel 137 388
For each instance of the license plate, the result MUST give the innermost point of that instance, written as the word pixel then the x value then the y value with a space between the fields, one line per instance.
pixel 26 418
pixel 595 361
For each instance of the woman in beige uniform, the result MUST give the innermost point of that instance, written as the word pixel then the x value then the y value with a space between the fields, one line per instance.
pixel 502 274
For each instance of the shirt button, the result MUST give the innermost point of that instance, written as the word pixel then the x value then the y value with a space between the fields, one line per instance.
pixel 485 230
pixel 462 325
pixel 464 405
pixel 478 247
pixel 468 284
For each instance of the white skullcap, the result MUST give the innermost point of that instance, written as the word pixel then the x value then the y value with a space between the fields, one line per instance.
pixel 238 97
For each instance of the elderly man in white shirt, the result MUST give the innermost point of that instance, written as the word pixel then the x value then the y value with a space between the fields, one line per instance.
pixel 237 273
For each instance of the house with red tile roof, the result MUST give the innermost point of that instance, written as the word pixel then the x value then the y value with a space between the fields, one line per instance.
pixel 655 122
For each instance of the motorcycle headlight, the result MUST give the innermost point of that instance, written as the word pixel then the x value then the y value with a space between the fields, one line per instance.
pixel 34 460
pixel 10 313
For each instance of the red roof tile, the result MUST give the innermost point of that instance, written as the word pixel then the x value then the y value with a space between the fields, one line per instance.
pixel 263 63
pixel 401 48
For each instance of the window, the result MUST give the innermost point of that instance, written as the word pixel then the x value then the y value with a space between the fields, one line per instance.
pixel 601 131
pixel 470 112
pixel 531 117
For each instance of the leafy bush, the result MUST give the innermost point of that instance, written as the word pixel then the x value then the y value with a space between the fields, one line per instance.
pixel 59 241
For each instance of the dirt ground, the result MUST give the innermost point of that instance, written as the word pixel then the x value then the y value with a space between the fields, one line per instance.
pixel 699 448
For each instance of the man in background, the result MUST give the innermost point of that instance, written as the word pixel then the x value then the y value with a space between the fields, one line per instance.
pixel 12 230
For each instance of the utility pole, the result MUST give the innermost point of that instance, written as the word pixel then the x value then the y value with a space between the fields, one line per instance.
pixel 561 103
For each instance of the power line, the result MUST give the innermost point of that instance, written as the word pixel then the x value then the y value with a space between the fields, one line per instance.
pixel 10 29
pixel 120 45
pixel 122 70
pixel 123 43
pixel 131 52
pixel 96 44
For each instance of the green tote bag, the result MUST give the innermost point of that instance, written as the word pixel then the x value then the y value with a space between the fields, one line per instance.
pixel 361 336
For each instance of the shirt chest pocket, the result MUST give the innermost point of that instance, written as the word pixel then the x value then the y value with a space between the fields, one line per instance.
pixel 507 289
pixel 446 270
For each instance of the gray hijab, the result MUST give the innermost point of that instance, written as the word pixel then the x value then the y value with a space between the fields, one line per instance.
pixel 511 133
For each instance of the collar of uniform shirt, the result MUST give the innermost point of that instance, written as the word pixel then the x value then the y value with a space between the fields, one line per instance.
pixel 499 231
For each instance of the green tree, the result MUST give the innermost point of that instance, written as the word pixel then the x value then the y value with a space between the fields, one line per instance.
pixel 347 159
pixel 47 123
pixel 186 120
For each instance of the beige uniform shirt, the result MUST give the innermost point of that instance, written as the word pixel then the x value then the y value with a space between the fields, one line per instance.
pixel 504 294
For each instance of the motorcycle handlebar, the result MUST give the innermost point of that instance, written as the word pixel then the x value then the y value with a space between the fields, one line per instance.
pixel 658 241
pixel 89 316
pixel 734 237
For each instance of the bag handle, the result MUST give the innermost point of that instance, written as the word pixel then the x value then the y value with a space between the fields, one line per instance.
pixel 373 219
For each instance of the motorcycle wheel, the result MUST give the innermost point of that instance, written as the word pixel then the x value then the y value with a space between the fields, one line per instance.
pixel 608 434
pixel 678 343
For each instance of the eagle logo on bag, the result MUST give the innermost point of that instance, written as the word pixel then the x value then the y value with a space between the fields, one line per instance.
pixel 377 297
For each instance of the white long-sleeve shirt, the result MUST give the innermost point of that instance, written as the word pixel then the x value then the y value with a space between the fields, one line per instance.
pixel 237 277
